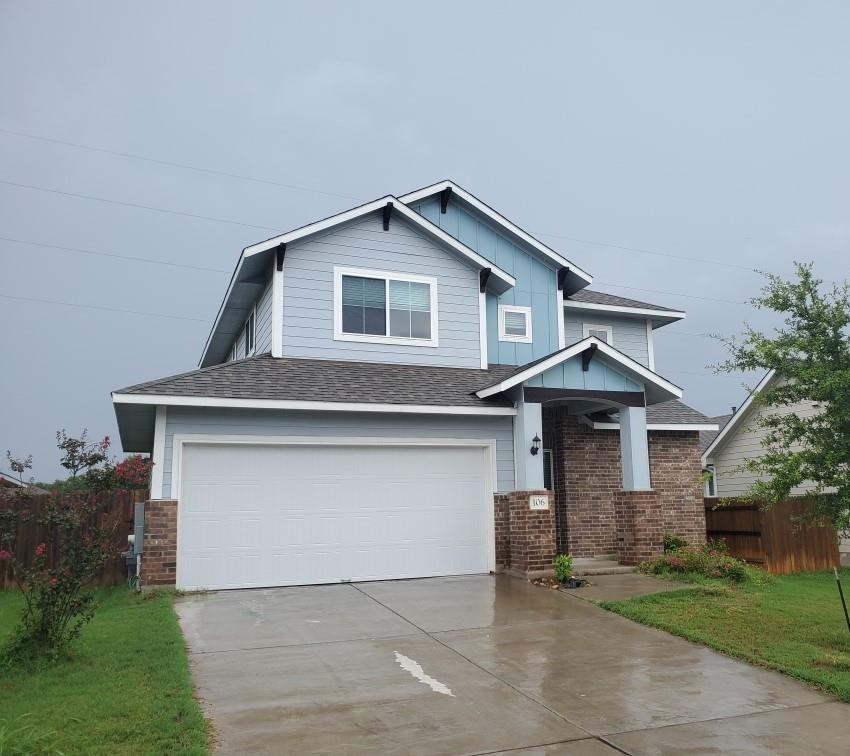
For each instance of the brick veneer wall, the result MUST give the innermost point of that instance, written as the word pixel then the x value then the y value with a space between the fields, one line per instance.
pixel 159 558
pixel 675 467
pixel 503 530
pixel 526 542
pixel 640 528
pixel 587 477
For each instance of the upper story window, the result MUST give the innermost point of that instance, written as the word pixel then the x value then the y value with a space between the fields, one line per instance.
pixel 250 333
pixel 515 323
pixel 602 332
pixel 384 308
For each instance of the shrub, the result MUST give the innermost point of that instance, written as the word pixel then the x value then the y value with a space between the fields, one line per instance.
pixel 707 561
pixel 563 567
pixel 52 578
pixel 673 543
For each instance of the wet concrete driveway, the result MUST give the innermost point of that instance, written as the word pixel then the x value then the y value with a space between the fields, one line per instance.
pixel 474 665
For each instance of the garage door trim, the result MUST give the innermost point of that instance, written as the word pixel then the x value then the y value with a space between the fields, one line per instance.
pixel 489 446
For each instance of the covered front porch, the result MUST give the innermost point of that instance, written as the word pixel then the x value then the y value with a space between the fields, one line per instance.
pixel 557 395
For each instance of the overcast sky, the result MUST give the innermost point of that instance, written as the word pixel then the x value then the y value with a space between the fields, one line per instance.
pixel 713 131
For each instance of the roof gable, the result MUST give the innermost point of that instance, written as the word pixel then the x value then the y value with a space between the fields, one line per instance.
pixel 728 430
pixel 657 389
pixel 256 260
pixel 575 277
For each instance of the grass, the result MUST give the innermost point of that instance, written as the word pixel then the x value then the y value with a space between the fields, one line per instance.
pixel 792 623
pixel 125 688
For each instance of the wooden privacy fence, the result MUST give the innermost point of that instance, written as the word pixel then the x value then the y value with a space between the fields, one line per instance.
pixel 773 539
pixel 29 533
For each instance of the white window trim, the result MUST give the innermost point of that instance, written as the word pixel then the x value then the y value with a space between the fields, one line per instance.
pixel 712 471
pixel 507 337
pixel 387 276
pixel 588 327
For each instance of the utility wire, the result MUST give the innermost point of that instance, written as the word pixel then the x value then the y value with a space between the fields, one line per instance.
pixel 652 252
pixel 173 164
pixel 114 254
pixel 137 205
pixel 674 294
pixel 215 172
pixel 100 307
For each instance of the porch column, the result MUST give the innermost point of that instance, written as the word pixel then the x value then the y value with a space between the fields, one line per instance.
pixel 634 449
pixel 528 423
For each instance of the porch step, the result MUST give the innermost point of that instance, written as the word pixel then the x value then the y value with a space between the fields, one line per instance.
pixel 585 567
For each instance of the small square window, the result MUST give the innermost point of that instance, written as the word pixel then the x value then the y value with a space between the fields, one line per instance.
pixel 515 323
pixel 602 332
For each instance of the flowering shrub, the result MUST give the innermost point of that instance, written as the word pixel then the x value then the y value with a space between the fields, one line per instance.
pixel 133 472
pixel 709 561
pixel 53 577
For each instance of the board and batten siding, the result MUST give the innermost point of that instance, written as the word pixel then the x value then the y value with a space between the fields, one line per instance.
pixel 536 282
pixel 271 423
pixel 597 377
pixel 746 443
pixel 308 293
pixel 628 334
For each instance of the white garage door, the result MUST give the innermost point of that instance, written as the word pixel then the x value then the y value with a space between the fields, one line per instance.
pixel 266 515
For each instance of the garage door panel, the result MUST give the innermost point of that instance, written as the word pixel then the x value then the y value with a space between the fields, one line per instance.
pixel 286 515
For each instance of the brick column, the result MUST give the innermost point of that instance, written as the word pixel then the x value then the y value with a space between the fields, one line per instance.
pixel 525 537
pixel 640 526
pixel 159 558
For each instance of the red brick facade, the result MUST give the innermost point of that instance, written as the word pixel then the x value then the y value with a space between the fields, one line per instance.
pixel 640 527
pixel 525 537
pixel 159 558
pixel 586 477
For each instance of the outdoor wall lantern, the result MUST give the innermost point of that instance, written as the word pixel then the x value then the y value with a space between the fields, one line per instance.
pixel 535 445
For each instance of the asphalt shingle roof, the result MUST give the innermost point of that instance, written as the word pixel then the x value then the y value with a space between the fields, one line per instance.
pixel 706 437
pixel 289 378
pixel 598 297
pixel 674 411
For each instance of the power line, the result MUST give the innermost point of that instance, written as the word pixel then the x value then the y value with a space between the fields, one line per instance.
pixel 138 206
pixel 652 252
pixel 675 294
pixel 106 309
pixel 133 258
pixel 173 164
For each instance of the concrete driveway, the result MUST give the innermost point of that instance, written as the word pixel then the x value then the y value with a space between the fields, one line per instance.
pixel 474 665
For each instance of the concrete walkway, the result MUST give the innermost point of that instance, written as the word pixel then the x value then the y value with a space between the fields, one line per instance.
pixel 475 665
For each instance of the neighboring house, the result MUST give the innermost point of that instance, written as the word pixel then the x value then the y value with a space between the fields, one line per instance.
pixel 7 481
pixel 413 387
pixel 740 439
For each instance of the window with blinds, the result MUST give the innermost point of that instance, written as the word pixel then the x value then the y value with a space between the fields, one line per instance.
pixel 514 323
pixel 601 332
pixel 386 306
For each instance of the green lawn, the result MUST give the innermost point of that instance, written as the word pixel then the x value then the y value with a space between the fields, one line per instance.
pixel 793 624
pixel 125 689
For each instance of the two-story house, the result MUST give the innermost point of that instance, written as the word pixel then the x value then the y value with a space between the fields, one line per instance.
pixel 414 387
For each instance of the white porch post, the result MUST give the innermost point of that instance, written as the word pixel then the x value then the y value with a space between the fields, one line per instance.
pixel 528 423
pixel 634 449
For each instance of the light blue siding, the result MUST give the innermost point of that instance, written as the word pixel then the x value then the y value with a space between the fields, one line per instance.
pixel 536 285
pixel 599 377
pixel 308 292
pixel 209 421
pixel 628 334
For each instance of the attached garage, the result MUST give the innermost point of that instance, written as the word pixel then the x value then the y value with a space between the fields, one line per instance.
pixel 262 513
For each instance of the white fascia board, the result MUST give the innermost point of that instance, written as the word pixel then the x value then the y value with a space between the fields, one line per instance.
pixel 577 348
pixel 736 419
pixel 662 426
pixel 643 311
pixel 371 207
pixel 498 219
pixel 233 278
pixel 286 404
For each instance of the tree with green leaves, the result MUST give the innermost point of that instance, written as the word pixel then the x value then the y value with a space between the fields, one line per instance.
pixel 810 358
